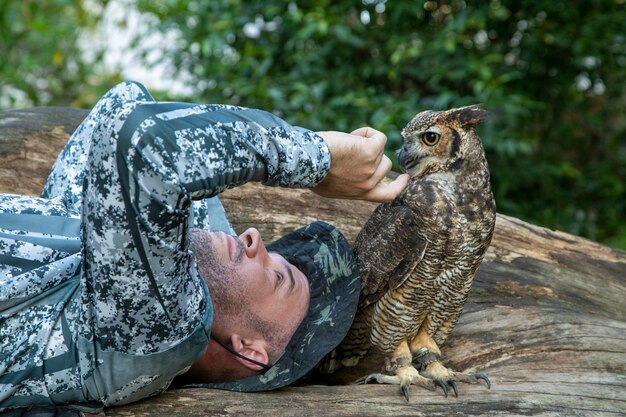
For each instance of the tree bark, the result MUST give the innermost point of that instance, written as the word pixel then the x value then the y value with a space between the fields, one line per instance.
pixel 546 318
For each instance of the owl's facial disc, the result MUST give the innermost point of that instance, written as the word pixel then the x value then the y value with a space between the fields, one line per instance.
pixel 417 147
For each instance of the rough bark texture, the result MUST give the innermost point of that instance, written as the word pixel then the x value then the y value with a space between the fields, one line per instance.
pixel 546 318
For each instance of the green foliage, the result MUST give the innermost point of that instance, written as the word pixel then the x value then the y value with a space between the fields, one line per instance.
pixel 41 62
pixel 552 75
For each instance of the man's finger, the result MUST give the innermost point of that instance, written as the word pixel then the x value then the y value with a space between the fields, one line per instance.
pixel 384 193
pixel 373 149
pixel 382 169
pixel 370 133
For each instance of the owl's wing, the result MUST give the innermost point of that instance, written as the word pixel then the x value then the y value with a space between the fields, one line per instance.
pixel 387 249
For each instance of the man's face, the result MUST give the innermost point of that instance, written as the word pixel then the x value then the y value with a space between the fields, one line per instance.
pixel 275 289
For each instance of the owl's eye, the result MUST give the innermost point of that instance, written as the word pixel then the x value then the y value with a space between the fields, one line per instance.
pixel 430 138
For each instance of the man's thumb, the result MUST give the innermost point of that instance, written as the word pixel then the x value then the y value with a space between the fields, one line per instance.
pixel 384 193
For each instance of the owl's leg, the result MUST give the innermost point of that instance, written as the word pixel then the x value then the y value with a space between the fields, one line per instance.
pixel 426 355
pixel 405 374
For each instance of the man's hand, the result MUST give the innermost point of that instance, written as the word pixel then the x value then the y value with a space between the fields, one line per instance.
pixel 358 165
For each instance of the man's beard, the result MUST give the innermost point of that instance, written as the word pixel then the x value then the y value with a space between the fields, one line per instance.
pixel 222 279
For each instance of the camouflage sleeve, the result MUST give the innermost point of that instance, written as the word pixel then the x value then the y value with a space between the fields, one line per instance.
pixel 231 145
pixel 142 292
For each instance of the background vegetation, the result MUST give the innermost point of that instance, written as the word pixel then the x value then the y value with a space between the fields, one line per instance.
pixel 552 75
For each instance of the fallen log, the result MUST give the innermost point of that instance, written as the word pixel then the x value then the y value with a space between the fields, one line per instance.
pixel 546 318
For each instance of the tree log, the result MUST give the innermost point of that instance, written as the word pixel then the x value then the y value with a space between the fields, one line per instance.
pixel 546 318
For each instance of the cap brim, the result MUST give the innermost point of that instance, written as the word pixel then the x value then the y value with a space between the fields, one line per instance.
pixel 325 257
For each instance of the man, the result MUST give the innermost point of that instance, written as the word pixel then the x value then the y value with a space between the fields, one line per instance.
pixel 127 274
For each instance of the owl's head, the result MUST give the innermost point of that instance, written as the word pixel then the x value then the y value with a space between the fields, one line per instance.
pixel 435 140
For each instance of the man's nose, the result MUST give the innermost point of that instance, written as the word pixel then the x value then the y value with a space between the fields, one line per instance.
pixel 253 244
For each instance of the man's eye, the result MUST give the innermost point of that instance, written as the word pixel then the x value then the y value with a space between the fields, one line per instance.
pixel 279 277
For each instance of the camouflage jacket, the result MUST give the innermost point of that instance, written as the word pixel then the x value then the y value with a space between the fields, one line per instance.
pixel 101 303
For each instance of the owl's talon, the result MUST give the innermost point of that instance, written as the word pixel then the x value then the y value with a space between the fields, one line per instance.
pixel 443 387
pixel 364 380
pixel 405 392
pixel 429 384
pixel 379 378
pixel 484 378
pixel 405 377
pixel 453 386
pixel 472 378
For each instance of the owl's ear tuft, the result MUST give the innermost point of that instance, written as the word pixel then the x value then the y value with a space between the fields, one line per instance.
pixel 469 115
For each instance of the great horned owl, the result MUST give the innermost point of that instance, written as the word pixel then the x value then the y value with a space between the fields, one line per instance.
pixel 418 254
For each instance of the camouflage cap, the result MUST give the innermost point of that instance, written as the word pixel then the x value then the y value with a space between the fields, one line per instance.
pixel 324 256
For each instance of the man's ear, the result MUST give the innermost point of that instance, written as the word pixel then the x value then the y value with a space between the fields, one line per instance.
pixel 250 348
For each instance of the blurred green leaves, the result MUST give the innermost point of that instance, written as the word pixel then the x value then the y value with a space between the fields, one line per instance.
pixel 40 60
pixel 551 74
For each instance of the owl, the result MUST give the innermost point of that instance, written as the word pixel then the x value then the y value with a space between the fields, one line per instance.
pixel 419 254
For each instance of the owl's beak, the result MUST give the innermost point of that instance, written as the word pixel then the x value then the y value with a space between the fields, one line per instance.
pixel 406 160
